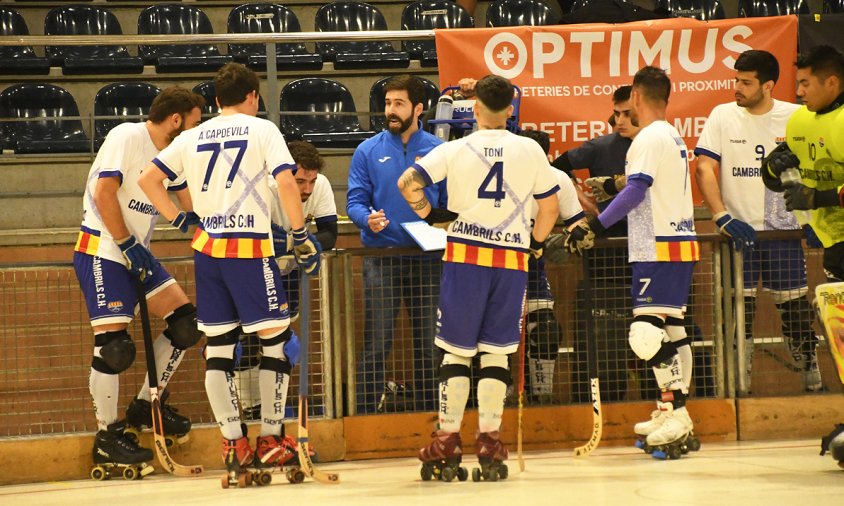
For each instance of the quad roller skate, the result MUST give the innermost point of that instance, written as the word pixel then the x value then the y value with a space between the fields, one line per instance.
pixel 115 453
pixel 275 453
pixel 139 416
pixel 238 455
pixel 642 429
pixel 674 438
pixel 441 459
pixel 491 455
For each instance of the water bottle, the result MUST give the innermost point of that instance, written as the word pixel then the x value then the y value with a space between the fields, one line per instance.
pixel 791 177
pixel 445 106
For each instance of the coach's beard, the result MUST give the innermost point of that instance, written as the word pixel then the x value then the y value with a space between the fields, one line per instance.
pixel 404 124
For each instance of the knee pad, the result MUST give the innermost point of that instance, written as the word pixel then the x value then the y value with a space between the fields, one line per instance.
pixel 646 336
pixel 220 353
pixel 247 352
pixel 291 349
pixel 454 366
pixel 675 330
pixel 117 352
pixel 181 327
pixel 797 318
pixel 543 334
pixel 277 364
pixel 495 367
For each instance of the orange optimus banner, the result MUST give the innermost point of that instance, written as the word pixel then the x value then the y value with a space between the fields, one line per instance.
pixel 568 73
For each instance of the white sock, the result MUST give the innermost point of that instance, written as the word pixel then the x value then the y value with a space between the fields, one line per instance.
pixel 669 375
pixel 684 354
pixel 222 394
pixel 104 389
pixel 273 386
pixel 454 393
pixel 167 359
pixel 491 394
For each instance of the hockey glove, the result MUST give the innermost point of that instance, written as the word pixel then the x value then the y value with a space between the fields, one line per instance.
pixel 536 247
pixel 812 240
pixel 282 243
pixel 183 220
pixel 604 188
pixel 780 159
pixel 291 349
pixel 555 250
pixel 580 238
pixel 800 197
pixel 743 235
pixel 139 260
pixel 307 250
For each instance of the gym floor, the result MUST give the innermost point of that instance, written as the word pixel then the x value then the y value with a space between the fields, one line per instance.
pixel 743 473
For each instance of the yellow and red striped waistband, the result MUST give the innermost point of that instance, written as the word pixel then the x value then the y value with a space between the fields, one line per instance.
pixel 88 241
pixel 231 247
pixel 485 257
pixel 677 251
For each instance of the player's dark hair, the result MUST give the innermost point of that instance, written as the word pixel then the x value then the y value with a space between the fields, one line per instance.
pixel 765 65
pixel 305 154
pixel 411 84
pixel 824 62
pixel 495 92
pixel 541 138
pixel 174 100
pixel 621 94
pixel 653 83
pixel 233 82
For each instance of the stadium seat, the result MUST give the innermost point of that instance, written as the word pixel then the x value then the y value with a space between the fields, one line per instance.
pixel 428 15
pixel 377 122
pixel 833 6
pixel 88 20
pixel 269 18
pixel 50 133
pixel 169 19
pixel 321 97
pixel 761 8
pixel 356 17
pixel 121 99
pixel 703 10
pixel 206 89
pixel 520 13
pixel 17 60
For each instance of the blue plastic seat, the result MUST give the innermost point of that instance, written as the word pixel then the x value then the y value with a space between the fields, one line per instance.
pixel 169 19
pixel 18 60
pixel 833 6
pixel 210 109
pixel 269 18
pixel 428 15
pixel 761 8
pixel 377 121
pixel 323 97
pixel 51 133
pixel 88 20
pixel 356 17
pixel 129 99
pixel 704 10
pixel 520 13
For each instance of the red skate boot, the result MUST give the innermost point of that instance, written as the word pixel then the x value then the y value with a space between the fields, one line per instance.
pixel 277 452
pixel 491 455
pixel 442 457
pixel 237 455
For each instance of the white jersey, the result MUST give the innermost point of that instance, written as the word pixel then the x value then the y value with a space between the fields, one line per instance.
pixel 320 205
pixel 226 162
pixel 127 149
pixel 662 227
pixel 493 175
pixel 739 141
pixel 567 201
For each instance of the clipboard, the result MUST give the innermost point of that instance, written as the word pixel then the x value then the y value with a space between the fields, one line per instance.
pixel 427 237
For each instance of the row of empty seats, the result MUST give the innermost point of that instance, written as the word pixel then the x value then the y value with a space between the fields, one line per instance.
pixel 53 132
pixel 175 18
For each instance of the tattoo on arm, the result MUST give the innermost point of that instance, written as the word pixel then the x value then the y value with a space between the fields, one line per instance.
pixel 419 204
pixel 412 176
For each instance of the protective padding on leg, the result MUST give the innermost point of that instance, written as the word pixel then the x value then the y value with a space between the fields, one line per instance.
pixel 797 317
pixel 117 352
pixel 219 355
pixel 272 352
pixel 454 366
pixel 543 334
pixel 646 336
pixel 495 367
pixel 674 329
pixel 181 327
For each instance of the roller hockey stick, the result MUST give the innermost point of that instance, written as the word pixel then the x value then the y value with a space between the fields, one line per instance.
pixel 160 442
pixel 522 350
pixel 305 461
pixel 592 361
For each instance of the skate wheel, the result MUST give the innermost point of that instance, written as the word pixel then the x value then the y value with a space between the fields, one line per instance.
pixel 648 449
pixel 503 472
pixel 130 473
pixel 298 476
pixel 263 479
pixel 639 444
pixel 426 472
pixel 658 454
pixel 244 479
pixel 476 474
pixel 694 444
pixel 224 482
pixel 674 452
pixel 462 474
pixel 447 474
pixel 99 473
pixel 492 475
pixel 169 441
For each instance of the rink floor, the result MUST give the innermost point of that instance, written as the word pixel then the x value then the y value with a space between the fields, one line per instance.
pixel 766 473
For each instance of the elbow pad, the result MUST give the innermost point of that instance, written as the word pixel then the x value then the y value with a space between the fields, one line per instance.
pixel 439 216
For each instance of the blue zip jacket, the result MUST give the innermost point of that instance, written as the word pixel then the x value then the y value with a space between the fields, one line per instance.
pixel 376 167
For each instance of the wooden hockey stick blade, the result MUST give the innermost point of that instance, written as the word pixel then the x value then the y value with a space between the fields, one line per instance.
pixel 160 443
pixel 519 453
pixel 597 422
pixel 305 461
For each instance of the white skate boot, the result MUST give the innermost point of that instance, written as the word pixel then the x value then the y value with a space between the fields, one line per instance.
pixel 810 373
pixel 674 437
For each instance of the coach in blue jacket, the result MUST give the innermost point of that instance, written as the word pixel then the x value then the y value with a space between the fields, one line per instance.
pixel 375 205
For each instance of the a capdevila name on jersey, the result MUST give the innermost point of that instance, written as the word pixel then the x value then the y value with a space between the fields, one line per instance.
pixel 227 161
pixel 493 176
pixel 661 227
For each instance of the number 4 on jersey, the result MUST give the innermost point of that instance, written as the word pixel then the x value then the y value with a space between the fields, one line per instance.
pixel 496 172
